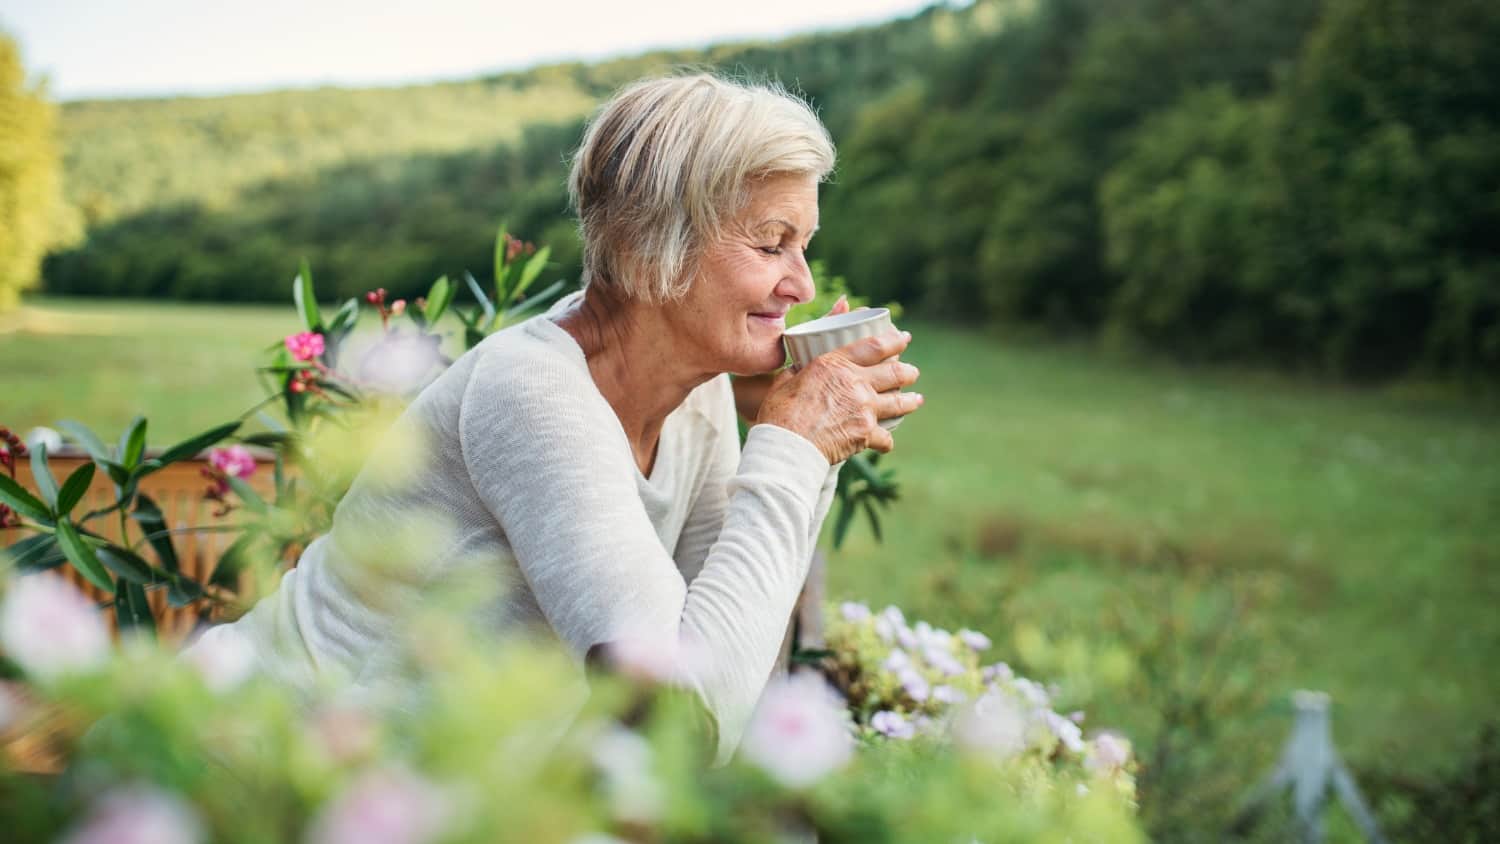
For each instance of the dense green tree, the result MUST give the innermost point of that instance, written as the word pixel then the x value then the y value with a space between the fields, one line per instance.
pixel 31 209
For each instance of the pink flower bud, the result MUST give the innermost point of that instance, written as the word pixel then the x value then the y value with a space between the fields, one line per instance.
pixel 235 461
pixel 398 307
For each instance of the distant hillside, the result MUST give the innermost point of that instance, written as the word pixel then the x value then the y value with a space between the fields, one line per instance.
pixel 1314 183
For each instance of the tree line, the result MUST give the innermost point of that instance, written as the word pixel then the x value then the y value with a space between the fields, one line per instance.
pixel 1313 184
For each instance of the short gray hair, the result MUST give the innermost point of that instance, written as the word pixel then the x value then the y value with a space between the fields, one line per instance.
pixel 667 161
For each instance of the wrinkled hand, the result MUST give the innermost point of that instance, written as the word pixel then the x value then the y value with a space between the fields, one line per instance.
pixel 837 400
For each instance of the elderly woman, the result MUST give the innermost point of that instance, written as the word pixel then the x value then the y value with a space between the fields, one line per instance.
pixel 588 460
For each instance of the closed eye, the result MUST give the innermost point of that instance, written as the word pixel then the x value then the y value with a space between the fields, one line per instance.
pixel 770 250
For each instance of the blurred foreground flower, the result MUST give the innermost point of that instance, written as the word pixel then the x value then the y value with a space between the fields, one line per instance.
pixel 236 461
pixel 50 629
pixel 386 806
pixel 996 724
pixel 400 363
pixel 800 731
pixel 223 658
pixel 138 814
pixel 892 725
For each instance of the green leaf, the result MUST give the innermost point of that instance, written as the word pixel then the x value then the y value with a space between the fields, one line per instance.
pixel 132 443
pixel 36 553
pixel 483 300
pixel 132 611
pixel 116 472
pixel 534 267
pixel 343 321
pixel 17 498
pixel 87 438
pixel 191 446
pixel 535 303
pixel 183 591
pixel 841 523
pixel 246 494
pixel 42 475
pixel 127 564
pixel 74 488
pixel 874 519
pixel 437 299
pixel 269 439
pixel 155 526
pixel 233 561
pixel 307 303
pixel 82 556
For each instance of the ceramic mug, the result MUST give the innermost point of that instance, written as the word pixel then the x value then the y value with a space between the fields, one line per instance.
pixel 821 336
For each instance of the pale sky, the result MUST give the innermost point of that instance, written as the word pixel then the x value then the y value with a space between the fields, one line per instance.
pixel 97 48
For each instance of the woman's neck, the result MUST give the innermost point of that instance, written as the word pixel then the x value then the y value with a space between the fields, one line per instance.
pixel 637 362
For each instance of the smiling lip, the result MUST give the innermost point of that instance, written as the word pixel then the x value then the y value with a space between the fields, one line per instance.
pixel 770 319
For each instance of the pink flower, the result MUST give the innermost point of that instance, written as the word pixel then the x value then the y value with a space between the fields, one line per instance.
pixel 138 814
pixel 799 732
pixel 305 346
pixel 50 628
pixel 236 461
pixel 388 806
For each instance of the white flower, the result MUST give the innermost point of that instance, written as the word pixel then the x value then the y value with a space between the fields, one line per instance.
pixel 998 671
pixel 854 611
pixel 914 684
pixel 223 658
pixel 1066 731
pixel 996 724
pixel 943 660
pixel 386 806
pixel 908 638
pixel 1108 752
pixel 400 363
pixel 948 694
pixel 138 814
pixel 1032 691
pixel 892 725
pixel 799 732
pixel 890 624
pixel 897 662
pixel 656 657
pixel 624 759
pixel 975 640
pixel 50 628
pixel 43 436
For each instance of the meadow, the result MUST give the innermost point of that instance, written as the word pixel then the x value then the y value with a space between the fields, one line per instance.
pixel 1178 547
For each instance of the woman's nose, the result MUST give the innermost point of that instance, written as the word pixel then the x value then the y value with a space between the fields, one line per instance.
pixel 798 283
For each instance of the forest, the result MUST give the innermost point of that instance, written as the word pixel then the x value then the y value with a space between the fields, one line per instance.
pixel 1310 185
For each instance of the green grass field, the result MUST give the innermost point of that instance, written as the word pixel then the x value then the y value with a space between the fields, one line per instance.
pixel 1178 548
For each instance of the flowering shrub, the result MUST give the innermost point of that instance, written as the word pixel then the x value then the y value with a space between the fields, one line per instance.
pixel 504 743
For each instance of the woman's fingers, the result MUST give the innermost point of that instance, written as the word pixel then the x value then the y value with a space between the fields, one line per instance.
pixel 869 351
pixel 888 405
pixel 881 440
pixel 892 374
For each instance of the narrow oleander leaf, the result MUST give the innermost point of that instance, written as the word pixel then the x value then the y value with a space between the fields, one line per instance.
pixel 500 264
pixel 306 301
pixel 533 268
pixel 132 611
pixel 437 299
pixel 132 443
pixel 480 297
pixel 74 487
pixel 155 526
pixel 874 519
pixel 127 564
pixel 86 438
pixel 83 557
pixel 233 561
pixel 36 553
pixel 17 498
pixel 247 495
pixel 192 445
pixel 841 523
pixel 41 475
pixel 183 591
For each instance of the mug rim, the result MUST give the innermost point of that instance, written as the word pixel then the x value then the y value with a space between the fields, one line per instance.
pixel 836 321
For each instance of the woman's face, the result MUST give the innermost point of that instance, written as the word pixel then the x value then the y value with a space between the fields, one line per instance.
pixel 734 313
